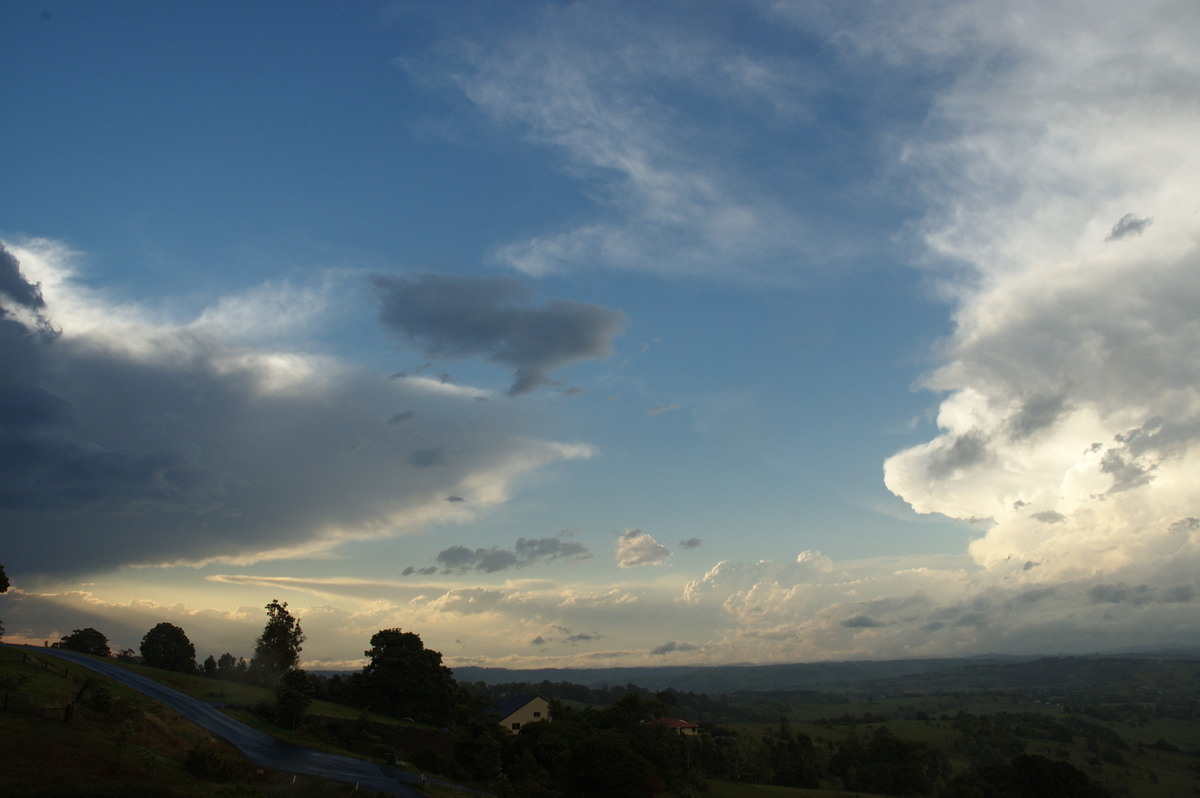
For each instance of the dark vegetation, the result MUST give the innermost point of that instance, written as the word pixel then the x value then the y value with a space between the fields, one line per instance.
pixel 1086 726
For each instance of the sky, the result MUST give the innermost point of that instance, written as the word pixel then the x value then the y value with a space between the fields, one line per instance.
pixel 587 334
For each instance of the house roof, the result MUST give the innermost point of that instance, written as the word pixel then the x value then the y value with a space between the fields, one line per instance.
pixel 506 706
pixel 675 723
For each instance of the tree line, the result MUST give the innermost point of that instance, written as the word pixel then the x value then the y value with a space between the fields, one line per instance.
pixel 401 677
pixel 610 747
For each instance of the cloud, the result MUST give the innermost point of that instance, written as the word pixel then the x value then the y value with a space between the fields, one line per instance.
pixel 900 607
pixel 1127 226
pixel 132 439
pixel 862 622
pixel 656 409
pixel 1069 391
pixel 14 285
pixel 624 97
pixel 493 318
pixel 672 647
pixel 635 547
pixel 691 543
pixel 526 552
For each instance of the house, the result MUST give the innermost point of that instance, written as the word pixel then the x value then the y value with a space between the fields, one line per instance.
pixel 676 725
pixel 515 711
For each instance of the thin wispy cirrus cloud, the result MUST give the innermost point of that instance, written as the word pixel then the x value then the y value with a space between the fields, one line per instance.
pixel 603 176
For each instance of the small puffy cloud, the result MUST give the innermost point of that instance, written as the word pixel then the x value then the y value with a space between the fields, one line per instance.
pixel 526 551
pixel 635 547
pixel 465 601
pixel 691 543
pixel 672 647
pixel 1127 226
pixel 495 318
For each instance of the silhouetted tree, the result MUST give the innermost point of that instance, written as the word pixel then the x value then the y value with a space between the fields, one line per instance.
pixel 167 646
pixel 86 641
pixel 294 693
pixel 1026 776
pixel 277 649
pixel 210 667
pixel 405 678
pixel 4 585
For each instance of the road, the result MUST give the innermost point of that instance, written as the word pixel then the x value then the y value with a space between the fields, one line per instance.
pixel 260 748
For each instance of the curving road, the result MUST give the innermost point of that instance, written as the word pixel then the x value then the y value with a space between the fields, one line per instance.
pixel 260 748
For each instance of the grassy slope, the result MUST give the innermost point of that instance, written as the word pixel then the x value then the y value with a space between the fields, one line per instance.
pixel 121 743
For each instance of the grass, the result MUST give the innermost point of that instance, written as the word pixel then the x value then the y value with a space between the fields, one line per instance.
pixel 121 743
pixel 729 789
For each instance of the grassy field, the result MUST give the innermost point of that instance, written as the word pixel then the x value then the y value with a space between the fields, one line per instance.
pixel 728 789
pixel 117 743
pixel 120 743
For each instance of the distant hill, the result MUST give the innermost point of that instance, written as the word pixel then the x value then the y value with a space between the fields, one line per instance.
pixel 993 672
pixel 720 679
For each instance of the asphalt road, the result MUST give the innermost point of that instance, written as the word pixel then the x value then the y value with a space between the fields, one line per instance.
pixel 260 748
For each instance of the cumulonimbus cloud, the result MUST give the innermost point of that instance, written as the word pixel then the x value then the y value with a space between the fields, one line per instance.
pixel 495 318
pixel 1070 409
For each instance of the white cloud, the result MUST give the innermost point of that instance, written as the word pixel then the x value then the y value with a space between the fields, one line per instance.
pixel 635 547
pixel 627 97
pixel 1072 381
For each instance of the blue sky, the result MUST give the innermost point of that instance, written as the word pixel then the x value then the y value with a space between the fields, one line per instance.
pixel 602 333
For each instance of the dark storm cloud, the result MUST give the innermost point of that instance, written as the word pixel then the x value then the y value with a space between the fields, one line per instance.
pixel 527 551
pixel 159 445
pixel 493 318
pixel 1127 226
pixel 862 622
pixel 14 285
pixel 426 458
pixel 402 418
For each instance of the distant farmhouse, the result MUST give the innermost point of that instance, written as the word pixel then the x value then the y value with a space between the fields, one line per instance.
pixel 515 711
pixel 676 725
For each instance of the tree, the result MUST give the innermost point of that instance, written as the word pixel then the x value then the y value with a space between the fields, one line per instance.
pixel 210 667
pixel 86 641
pixel 4 584
pixel 278 647
pixel 405 678
pixel 293 694
pixel 166 646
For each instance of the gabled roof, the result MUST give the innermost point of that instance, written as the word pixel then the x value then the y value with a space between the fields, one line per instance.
pixel 674 723
pixel 506 706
